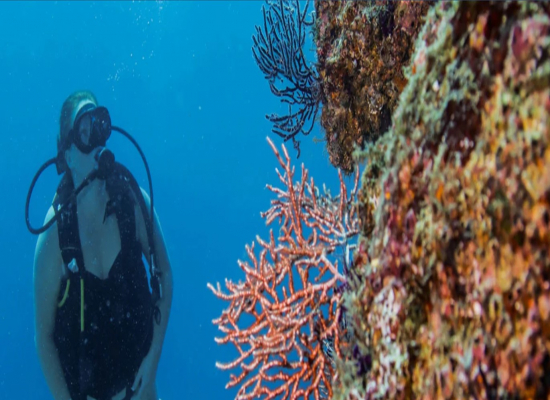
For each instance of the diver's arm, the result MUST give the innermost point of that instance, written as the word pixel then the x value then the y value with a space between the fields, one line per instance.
pixel 47 278
pixel 162 262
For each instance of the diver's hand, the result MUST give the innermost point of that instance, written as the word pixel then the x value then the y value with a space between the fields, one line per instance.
pixel 145 377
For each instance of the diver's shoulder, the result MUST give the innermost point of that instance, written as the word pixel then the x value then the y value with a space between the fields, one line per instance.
pixel 47 256
pixel 145 196
pixel 49 214
pixel 50 236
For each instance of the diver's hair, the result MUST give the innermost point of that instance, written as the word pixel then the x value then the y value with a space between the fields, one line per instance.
pixel 67 111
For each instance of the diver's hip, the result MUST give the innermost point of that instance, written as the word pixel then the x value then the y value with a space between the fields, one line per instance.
pixel 148 395
pixel 118 396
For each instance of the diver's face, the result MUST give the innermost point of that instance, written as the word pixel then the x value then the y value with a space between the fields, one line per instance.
pixel 79 161
pixel 84 125
pixel 84 129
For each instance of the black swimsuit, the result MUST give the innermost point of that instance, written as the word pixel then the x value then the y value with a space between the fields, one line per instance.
pixel 103 337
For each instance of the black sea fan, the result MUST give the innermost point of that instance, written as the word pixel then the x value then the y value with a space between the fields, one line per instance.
pixel 278 51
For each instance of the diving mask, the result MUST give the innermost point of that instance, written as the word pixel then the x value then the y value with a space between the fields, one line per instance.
pixel 91 128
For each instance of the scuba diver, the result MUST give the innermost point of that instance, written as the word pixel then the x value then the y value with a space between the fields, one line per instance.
pixel 99 326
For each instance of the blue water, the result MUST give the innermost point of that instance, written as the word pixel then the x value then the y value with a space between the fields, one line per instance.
pixel 180 77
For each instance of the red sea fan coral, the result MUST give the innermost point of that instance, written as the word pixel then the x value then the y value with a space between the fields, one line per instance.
pixel 283 319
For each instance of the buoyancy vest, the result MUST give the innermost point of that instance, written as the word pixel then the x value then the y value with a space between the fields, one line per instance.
pixel 103 327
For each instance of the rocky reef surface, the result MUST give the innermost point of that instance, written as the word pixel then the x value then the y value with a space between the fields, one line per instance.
pixel 446 109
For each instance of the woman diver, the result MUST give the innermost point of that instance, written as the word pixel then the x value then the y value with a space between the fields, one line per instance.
pixel 99 328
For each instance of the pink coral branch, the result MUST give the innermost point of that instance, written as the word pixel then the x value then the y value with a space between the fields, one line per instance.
pixel 289 292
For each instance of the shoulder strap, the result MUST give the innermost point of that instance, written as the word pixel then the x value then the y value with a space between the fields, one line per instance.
pixel 121 202
pixel 124 185
pixel 67 224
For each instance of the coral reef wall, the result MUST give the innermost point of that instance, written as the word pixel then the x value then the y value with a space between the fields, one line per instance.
pixel 452 298
pixel 362 47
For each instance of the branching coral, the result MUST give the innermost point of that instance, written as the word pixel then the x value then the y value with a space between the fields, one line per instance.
pixel 283 319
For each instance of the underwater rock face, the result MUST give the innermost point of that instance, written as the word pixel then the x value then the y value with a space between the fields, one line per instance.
pixel 453 295
pixel 362 49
